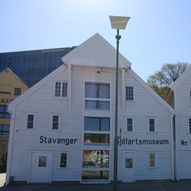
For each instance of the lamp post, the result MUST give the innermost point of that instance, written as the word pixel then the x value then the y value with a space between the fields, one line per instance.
pixel 117 22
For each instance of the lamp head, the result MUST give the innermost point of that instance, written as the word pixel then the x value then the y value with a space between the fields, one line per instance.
pixel 118 22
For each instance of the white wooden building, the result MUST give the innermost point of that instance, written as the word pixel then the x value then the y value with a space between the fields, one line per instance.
pixel 62 129
pixel 182 104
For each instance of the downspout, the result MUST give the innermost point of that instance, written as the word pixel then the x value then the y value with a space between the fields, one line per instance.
pixel 174 143
pixel 69 86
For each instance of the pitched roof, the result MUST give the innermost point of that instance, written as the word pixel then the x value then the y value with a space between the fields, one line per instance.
pixel 95 51
pixel 182 77
pixel 14 75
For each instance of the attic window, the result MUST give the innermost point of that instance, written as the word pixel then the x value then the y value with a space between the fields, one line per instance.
pixel 61 89
pixel 17 91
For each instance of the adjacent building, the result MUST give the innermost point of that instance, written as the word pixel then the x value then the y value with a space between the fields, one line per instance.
pixel 11 86
pixel 182 105
pixel 62 128
pixel 33 65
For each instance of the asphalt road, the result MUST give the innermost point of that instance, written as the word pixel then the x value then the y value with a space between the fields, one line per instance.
pixel 183 185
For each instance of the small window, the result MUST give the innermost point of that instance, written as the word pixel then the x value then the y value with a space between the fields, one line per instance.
pixel 55 122
pixel 57 89
pixel 61 89
pixel 152 125
pixel 129 93
pixel 129 124
pixel 42 161
pixel 64 89
pixel 152 160
pixel 63 160
pixel 128 163
pixel 30 121
pixel 189 125
pixel 17 91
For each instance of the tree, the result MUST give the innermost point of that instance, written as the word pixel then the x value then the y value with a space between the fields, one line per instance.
pixel 161 80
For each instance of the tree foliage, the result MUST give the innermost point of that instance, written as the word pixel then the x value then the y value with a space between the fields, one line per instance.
pixel 161 80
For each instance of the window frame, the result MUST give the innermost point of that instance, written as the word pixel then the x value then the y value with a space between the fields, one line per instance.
pixel 131 124
pixel 63 89
pixel 4 113
pixel 34 121
pixel 2 130
pixel 59 121
pixel 133 97
pixel 67 159
pixel 98 101
pixel 16 90
pixel 149 160
pixel 149 127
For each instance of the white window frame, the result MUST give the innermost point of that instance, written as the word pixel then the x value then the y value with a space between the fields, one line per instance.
pixel 67 160
pixel 61 89
pixel 34 121
pixel 97 132
pixel 155 124
pixel 155 160
pixel 129 85
pixel 59 121
pixel 97 99
pixel 129 117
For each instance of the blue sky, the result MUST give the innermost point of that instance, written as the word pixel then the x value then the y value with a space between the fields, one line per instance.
pixel 158 32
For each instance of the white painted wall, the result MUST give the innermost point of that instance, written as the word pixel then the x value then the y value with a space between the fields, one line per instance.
pixel 183 112
pixel 42 102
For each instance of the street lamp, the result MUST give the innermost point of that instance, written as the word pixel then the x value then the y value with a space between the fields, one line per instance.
pixel 117 22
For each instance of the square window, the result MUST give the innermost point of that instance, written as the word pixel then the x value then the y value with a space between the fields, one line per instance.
pixel 42 161
pixel 17 91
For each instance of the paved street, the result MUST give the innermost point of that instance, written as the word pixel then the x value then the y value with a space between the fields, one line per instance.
pixel 141 186
pixel 138 186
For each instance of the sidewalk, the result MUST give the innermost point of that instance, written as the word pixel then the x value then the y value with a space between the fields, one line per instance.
pixel 184 185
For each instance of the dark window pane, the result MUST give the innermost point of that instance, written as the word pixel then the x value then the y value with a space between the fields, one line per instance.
pixel 63 160
pixel 30 121
pixel 55 122
pixel 151 125
pixel 94 90
pixel 129 124
pixel 96 124
pixel 129 93
pixel 64 89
